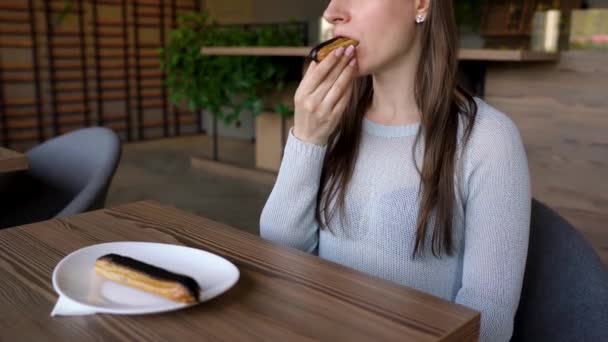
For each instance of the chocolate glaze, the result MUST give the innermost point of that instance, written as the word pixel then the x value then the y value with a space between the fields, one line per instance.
pixel 154 272
pixel 315 51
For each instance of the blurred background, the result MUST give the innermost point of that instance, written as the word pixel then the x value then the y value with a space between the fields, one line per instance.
pixel 204 131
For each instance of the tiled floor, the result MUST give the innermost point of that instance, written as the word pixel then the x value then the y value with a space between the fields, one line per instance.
pixel 161 170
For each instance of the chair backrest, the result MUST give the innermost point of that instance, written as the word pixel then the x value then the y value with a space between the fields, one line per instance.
pixel 80 165
pixel 565 290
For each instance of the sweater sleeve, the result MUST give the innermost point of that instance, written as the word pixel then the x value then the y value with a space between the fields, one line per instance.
pixel 289 214
pixel 497 221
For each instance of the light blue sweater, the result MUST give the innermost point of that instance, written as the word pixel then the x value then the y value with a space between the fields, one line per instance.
pixel 377 233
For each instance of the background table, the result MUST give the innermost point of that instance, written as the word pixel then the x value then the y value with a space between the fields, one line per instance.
pixel 12 161
pixel 282 294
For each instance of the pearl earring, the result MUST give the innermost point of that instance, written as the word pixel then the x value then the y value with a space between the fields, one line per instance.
pixel 419 18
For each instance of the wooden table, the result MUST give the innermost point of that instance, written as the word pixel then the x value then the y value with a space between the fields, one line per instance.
pixel 12 161
pixel 282 295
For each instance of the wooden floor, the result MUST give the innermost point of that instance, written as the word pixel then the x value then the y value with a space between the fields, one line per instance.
pixel 561 111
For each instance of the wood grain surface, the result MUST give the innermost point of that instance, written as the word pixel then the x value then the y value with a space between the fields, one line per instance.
pixel 12 161
pixel 282 294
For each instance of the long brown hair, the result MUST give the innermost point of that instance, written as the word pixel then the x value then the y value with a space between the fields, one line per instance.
pixel 442 104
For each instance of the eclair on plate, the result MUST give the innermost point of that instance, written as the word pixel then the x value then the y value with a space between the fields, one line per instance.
pixel 128 271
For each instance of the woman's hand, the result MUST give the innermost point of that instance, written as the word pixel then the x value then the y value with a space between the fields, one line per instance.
pixel 322 96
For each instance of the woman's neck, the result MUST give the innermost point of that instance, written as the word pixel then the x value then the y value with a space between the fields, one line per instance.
pixel 394 102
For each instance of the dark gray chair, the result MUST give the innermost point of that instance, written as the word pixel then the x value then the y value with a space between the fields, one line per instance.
pixel 565 289
pixel 68 174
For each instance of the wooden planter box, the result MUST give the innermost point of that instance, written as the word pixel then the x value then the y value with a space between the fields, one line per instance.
pixel 269 140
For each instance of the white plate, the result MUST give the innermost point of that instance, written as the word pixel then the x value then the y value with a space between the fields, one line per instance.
pixel 74 277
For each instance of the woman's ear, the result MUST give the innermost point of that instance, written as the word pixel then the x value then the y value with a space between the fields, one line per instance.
pixel 422 7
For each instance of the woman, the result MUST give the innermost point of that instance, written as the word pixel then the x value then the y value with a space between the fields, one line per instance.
pixel 393 170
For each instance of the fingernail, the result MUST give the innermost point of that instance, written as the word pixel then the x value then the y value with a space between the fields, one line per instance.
pixel 350 50
pixel 340 51
pixel 353 62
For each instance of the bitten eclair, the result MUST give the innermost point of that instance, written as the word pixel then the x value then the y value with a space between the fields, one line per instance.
pixel 152 279
pixel 319 52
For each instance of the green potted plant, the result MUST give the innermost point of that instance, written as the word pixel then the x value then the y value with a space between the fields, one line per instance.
pixel 468 14
pixel 226 86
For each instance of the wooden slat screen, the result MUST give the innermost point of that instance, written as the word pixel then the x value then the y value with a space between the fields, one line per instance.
pixel 99 66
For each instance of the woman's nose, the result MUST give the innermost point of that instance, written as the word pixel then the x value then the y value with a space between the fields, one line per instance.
pixel 336 12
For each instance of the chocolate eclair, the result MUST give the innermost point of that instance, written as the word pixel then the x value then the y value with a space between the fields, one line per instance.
pixel 128 271
pixel 319 52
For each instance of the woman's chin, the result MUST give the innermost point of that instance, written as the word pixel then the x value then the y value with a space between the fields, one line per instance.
pixel 362 71
pixel 364 67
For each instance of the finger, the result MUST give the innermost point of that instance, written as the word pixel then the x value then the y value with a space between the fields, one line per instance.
pixel 339 109
pixel 318 71
pixel 342 85
pixel 328 82
pixel 310 67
